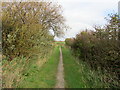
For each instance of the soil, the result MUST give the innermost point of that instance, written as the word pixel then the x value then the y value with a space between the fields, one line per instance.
pixel 60 73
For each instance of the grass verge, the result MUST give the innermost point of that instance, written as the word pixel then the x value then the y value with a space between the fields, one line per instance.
pixel 42 77
pixel 79 75
pixel 12 71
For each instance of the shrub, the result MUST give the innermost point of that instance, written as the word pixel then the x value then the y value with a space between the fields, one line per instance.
pixel 100 49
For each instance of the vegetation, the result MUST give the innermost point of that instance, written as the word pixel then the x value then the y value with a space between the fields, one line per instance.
pixel 26 26
pixel 12 71
pixel 78 74
pixel 42 77
pixel 100 49
pixel 30 55
pixel 26 37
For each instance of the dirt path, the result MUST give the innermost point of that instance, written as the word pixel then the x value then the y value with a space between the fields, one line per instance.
pixel 60 73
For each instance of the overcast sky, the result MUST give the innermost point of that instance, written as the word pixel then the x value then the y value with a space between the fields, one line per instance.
pixel 82 14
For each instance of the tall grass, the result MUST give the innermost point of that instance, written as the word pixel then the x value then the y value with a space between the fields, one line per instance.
pixel 79 75
pixel 13 72
pixel 44 76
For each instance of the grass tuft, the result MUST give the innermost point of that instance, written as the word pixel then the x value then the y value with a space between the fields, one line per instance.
pixel 78 74
pixel 42 77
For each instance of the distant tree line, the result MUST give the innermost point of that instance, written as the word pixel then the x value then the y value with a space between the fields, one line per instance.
pixel 27 25
pixel 100 48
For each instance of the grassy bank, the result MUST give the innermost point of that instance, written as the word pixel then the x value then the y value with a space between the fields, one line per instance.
pixel 79 75
pixel 12 71
pixel 42 77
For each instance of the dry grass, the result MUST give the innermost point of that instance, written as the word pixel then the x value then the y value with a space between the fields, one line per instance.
pixel 12 72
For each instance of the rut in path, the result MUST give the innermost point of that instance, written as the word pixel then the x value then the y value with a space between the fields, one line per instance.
pixel 60 73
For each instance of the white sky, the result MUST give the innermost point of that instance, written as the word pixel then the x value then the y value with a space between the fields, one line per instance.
pixel 82 14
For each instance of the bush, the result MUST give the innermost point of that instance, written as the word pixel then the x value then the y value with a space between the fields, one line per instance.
pixel 101 50
pixel 26 25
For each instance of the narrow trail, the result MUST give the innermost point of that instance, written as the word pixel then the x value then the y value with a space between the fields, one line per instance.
pixel 60 73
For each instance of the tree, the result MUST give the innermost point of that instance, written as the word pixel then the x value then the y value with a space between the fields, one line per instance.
pixel 26 25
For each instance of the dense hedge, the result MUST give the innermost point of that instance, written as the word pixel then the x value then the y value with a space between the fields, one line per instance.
pixel 100 49
pixel 26 27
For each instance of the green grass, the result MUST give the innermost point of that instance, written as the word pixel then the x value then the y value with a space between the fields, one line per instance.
pixel 42 77
pixel 79 75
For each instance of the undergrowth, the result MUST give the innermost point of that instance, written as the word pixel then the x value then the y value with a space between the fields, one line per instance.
pixel 79 75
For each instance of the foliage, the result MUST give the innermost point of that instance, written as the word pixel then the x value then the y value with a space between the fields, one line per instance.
pixel 26 37
pixel 78 74
pixel 27 25
pixel 44 76
pixel 12 71
pixel 101 49
pixel 69 41
pixel 15 71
